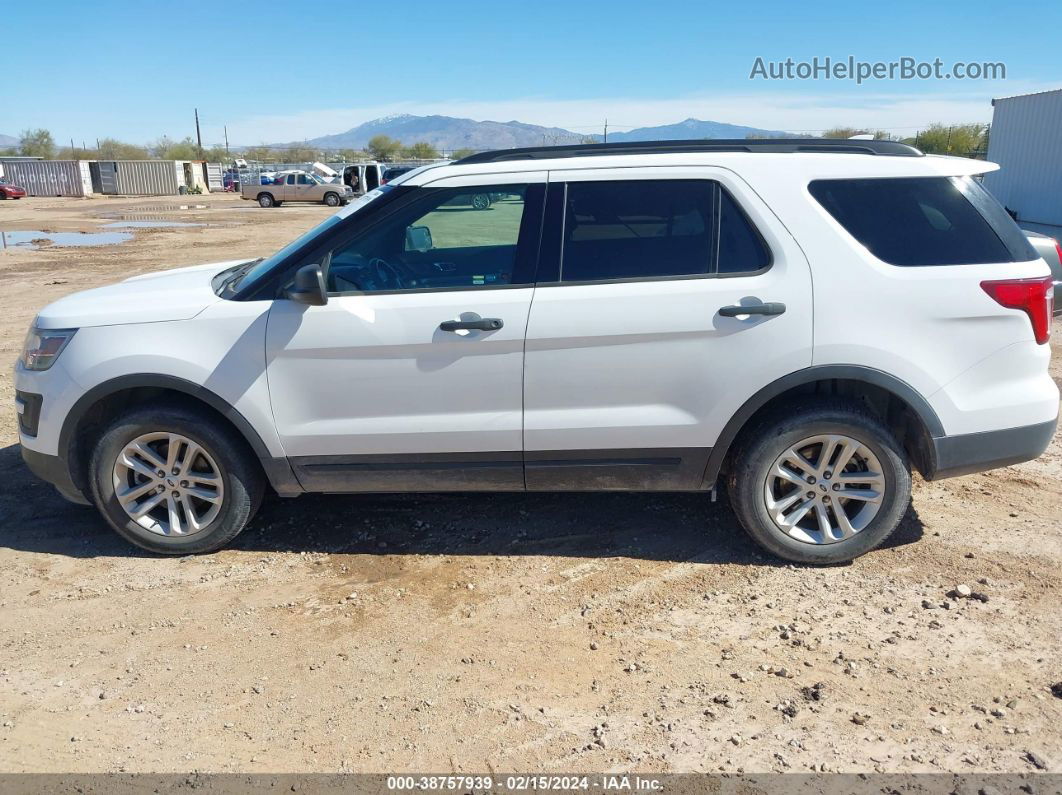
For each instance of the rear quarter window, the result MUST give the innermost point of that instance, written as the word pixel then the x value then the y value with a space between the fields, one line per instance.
pixel 924 221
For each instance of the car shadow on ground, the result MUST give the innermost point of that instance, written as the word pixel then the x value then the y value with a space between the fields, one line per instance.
pixel 680 527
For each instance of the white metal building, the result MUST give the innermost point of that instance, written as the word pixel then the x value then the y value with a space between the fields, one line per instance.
pixel 1026 141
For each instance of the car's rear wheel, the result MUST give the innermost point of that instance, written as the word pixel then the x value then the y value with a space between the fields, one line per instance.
pixel 174 480
pixel 819 482
pixel 266 200
pixel 480 201
pixel 331 199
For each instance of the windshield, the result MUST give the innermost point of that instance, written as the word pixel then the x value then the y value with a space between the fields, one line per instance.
pixel 248 278
pixel 265 265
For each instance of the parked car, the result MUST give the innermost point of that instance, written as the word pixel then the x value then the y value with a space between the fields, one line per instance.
pixel 741 314
pixel 9 190
pixel 1051 251
pixel 297 186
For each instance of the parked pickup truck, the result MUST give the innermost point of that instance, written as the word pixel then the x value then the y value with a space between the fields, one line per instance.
pixel 298 186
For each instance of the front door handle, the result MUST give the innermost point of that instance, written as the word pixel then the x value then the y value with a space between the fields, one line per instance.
pixel 485 324
pixel 769 308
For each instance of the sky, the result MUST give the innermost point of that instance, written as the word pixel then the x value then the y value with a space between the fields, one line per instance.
pixel 283 71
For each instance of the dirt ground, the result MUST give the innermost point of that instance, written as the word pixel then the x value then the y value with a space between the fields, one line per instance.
pixel 505 632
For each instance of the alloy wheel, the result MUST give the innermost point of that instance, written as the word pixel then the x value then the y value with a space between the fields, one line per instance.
pixel 824 489
pixel 168 484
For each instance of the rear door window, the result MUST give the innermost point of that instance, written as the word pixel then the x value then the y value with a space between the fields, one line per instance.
pixel 920 221
pixel 644 229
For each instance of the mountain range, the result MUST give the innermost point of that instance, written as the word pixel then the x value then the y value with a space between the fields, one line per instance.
pixel 448 133
pixel 8 140
pixel 695 129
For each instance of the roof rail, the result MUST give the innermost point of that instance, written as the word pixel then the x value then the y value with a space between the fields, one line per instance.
pixel 786 145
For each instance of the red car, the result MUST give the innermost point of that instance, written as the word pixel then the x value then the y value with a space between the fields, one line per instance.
pixel 9 191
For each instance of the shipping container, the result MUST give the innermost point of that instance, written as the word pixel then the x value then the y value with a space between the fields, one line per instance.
pixel 50 177
pixel 214 180
pixel 1026 141
pixel 135 177
pixel 196 174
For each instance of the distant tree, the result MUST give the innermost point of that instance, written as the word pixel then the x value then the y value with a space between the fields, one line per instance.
pixel 113 149
pixel 36 143
pixel 301 154
pixel 421 150
pixel 261 153
pixel 848 132
pixel 457 154
pixel 217 154
pixel 165 148
pixel 77 153
pixel 10 152
pixel 383 147
pixel 350 155
pixel 962 140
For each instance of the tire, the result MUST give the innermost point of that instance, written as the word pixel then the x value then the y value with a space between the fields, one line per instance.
pixel 3 196
pixel 224 460
pixel 752 482
pixel 266 200
pixel 481 201
pixel 331 199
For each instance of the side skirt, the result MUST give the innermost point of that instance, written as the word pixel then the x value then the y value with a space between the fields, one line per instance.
pixel 640 469
pixel 653 469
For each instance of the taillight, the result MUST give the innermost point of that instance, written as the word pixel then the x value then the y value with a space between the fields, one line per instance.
pixel 1034 297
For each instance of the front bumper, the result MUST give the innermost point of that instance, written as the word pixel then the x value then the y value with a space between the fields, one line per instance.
pixel 53 469
pixel 978 452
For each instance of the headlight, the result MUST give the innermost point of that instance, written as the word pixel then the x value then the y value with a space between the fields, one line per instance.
pixel 43 347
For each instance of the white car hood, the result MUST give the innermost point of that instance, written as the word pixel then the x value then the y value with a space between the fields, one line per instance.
pixel 177 294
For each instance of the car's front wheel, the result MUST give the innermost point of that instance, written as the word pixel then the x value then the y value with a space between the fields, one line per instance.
pixel 819 482
pixel 174 480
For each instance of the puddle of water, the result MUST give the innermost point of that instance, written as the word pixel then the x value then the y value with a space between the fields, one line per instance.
pixel 154 223
pixel 161 208
pixel 35 238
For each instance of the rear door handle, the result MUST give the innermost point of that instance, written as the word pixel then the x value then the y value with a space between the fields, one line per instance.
pixel 769 308
pixel 485 324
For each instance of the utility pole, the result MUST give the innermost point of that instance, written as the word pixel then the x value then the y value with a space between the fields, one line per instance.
pixel 226 139
pixel 606 131
pixel 73 154
pixel 198 135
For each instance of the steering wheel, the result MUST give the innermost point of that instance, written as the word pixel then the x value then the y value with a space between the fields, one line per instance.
pixel 385 274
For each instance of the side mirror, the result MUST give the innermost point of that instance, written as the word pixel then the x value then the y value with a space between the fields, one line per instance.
pixel 418 238
pixel 308 286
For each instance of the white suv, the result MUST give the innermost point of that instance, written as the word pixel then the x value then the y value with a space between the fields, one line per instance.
pixel 803 319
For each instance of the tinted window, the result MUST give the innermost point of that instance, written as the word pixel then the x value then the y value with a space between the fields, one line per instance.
pixel 912 221
pixel 448 237
pixel 645 229
pixel 741 249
